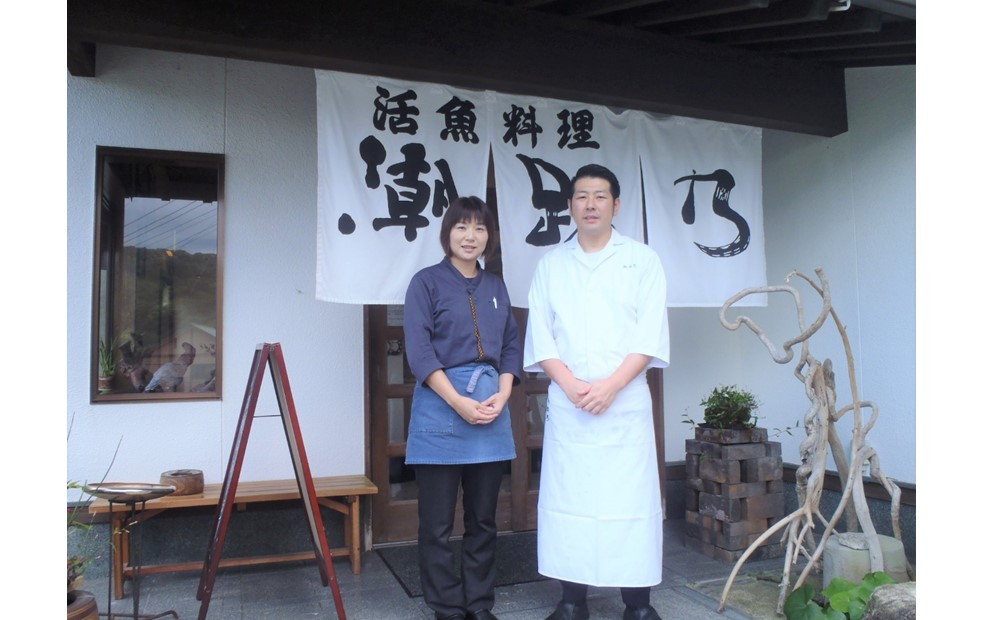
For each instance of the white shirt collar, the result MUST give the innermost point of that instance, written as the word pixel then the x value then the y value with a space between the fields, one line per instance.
pixel 615 240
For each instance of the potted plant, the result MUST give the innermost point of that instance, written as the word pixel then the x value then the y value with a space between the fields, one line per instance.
pixel 83 547
pixel 107 365
pixel 729 407
pixel 728 417
pixel 81 604
pixel 734 488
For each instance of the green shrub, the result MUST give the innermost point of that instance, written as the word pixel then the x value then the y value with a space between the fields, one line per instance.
pixel 844 600
pixel 729 407
pixel 107 358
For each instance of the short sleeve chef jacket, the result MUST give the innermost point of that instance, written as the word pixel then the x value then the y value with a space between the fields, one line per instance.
pixel 592 310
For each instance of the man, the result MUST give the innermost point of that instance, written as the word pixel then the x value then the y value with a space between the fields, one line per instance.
pixel 597 321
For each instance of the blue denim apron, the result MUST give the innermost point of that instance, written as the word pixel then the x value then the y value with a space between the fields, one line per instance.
pixel 439 436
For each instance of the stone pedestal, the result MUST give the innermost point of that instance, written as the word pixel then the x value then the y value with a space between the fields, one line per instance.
pixel 734 492
pixel 847 555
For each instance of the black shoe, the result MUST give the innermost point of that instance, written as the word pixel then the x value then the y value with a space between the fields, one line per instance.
pixel 481 614
pixel 570 611
pixel 438 616
pixel 641 613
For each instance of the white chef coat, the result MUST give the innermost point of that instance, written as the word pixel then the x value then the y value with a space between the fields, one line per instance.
pixel 600 507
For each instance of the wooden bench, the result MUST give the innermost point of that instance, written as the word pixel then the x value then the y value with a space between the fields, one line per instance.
pixel 339 493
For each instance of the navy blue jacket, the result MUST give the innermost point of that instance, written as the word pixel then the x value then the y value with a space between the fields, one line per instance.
pixel 439 327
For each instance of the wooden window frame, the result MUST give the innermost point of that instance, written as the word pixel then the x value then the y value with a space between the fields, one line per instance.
pixel 179 158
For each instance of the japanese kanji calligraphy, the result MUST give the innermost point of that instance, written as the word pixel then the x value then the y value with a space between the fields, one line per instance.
pixel 393 154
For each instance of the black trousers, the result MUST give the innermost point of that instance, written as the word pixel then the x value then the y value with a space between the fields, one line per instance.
pixel 576 593
pixel 446 590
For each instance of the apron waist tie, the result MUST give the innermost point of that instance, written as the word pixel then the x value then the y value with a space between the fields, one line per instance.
pixel 473 382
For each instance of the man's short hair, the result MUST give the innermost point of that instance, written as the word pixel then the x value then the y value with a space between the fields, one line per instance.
pixel 466 209
pixel 597 171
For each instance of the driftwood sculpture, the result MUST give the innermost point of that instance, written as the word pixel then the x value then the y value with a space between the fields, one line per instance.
pixel 821 436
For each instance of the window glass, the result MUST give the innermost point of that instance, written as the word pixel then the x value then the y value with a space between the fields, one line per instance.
pixel 157 285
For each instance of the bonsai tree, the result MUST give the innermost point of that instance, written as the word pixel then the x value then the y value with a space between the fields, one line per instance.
pixel 729 407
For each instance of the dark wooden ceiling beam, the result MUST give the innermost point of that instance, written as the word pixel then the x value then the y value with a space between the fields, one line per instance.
pixel 877 62
pixel 784 13
pixel 593 8
pixel 528 4
pixel 901 8
pixel 81 58
pixel 890 34
pixel 866 53
pixel 481 45
pixel 694 9
pixel 838 24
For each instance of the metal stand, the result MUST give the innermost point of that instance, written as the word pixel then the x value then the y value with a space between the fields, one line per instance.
pixel 131 495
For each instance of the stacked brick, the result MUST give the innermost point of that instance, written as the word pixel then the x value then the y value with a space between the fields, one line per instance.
pixel 734 492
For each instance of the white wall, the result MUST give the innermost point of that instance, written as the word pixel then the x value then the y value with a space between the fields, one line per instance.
pixel 262 117
pixel 846 204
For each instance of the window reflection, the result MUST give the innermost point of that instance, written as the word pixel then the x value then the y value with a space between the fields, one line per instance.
pixel 157 274
pixel 536 406
pixel 402 480
pixel 394 316
pixel 397 366
pixel 398 419
pixel 535 468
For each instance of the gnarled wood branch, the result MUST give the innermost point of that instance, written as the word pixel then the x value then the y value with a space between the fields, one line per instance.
pixel 820 419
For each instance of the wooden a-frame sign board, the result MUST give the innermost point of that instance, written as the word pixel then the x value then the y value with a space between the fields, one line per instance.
pixel 271 355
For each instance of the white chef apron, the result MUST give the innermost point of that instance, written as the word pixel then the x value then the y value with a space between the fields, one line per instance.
pixel 600 507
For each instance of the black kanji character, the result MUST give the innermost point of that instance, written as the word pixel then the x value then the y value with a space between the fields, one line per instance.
pixel 721 206
pixel 444 190
pixel 373 153
pixel 459 120
pixel 554 202
pixel 581 124
pixel 397 110
pixel 520 122
pixel 406 206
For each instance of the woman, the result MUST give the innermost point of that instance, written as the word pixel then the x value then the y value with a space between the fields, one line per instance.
pixel 462 343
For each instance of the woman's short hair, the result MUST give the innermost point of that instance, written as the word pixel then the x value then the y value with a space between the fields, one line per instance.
pixel 466 209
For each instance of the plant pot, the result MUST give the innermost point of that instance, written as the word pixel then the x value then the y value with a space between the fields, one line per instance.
pixel 76 583
pixel 731 435
pixel 82 606
pixel 734 491
pixel 105 384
